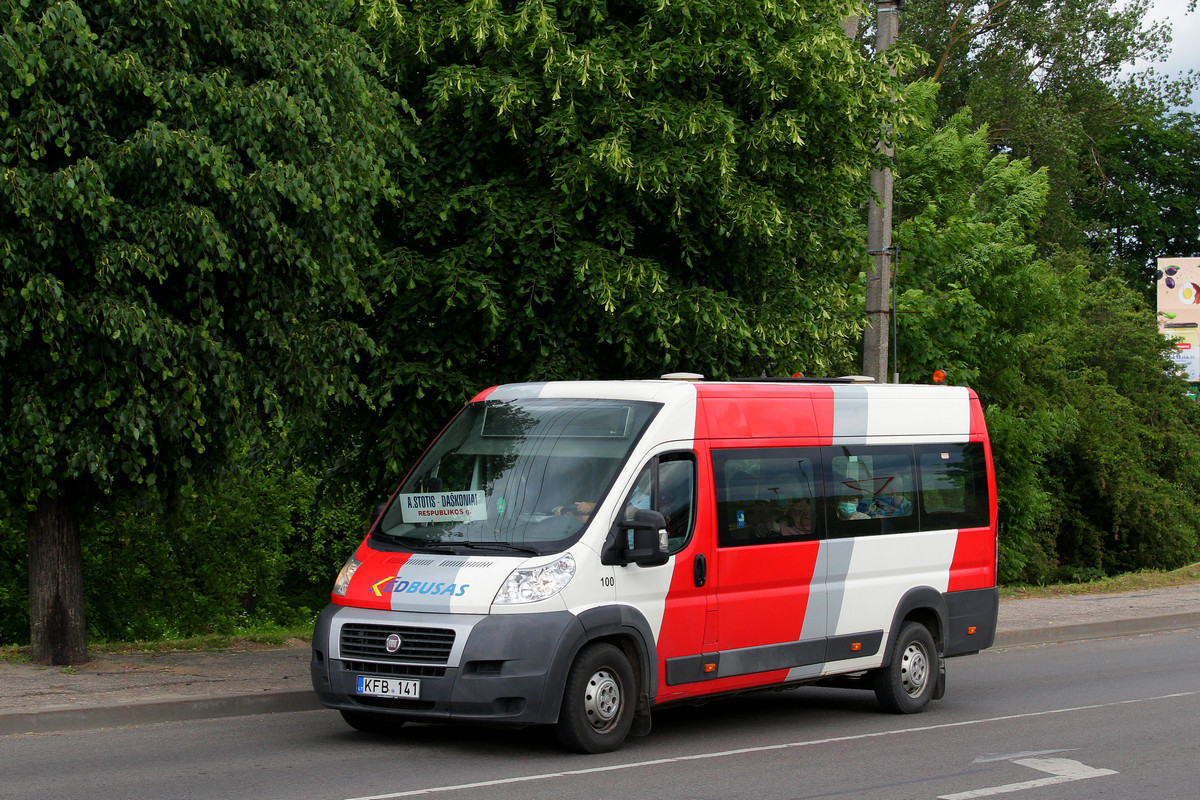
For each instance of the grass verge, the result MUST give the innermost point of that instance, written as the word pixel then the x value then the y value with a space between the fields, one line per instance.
pixel 213 642
pixel 249 639
pixel 1129 582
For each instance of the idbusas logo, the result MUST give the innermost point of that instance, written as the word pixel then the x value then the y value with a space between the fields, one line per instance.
pixel 393 586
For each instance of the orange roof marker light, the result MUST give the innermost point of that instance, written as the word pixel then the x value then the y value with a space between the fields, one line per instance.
pixel 939 377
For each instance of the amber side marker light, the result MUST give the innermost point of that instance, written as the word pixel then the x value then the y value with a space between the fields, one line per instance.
pixel 971 631
pixel 710 667
pixel 855 647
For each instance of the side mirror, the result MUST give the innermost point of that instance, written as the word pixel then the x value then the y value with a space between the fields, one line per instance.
pixel 641 540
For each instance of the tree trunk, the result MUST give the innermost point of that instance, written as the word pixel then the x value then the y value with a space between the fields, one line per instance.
pixel 57 629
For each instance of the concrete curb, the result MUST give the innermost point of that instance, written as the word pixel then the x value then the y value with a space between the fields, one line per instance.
pixel 237 705
pixel 285 701
pixel 1097 630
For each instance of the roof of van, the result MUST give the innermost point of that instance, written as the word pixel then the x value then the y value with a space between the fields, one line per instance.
pixel 837 412
pixel 649 388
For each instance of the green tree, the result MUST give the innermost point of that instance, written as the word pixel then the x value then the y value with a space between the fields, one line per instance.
pixel 1097 449
pixel 620 188
pixel 1049 78
pixel 1130 479
pixel 975 300
pixel 187 192
pixel 1143 204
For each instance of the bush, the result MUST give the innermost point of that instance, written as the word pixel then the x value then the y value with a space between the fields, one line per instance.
pixel 250 547
pixel 1021 444
pixel 14 576
pixel 1131 476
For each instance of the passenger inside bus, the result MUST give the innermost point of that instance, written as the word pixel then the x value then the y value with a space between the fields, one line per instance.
pixel 639 498
pixel 796 519
pixel 848 509
pixel 894 504
pixel 580 509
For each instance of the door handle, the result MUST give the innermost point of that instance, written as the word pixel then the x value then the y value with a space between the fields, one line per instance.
pixel 700 569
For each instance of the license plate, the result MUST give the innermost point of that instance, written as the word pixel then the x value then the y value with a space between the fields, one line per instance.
pixel 387 687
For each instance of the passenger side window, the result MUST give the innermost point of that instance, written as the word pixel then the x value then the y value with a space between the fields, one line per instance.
pixel 954 491
pixel 767 496
pixel 668 485
pixel 872 490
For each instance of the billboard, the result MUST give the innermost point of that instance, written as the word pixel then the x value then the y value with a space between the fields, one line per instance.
pixel 1178 282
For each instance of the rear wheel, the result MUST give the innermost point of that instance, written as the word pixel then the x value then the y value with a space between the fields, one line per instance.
pixel 598 701
pixel 368 722
pixel 908 683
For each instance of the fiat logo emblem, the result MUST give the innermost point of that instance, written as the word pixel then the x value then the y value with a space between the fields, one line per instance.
pixel 393 643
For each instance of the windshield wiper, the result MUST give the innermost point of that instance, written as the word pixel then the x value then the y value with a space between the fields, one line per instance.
pixel 413 543
pixel 514 548
pixel 442 546
pixel 435 547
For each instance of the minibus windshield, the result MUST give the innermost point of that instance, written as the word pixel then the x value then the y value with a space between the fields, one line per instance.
pixel 520 476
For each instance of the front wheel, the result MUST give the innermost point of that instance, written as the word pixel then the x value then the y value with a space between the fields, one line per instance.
pixel 908 683
pixel 598 701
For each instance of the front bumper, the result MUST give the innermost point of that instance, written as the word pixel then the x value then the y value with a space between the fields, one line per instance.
pixel 505 668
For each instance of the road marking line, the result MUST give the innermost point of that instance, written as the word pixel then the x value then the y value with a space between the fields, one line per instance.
pixel 766 748
pixel 1062 770
pixel 1015 756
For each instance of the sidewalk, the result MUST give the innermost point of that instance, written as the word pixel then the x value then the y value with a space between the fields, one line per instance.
pixel 135 688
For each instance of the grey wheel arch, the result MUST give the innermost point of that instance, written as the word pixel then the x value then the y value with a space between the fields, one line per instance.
pixel 625 627
pixel 925 605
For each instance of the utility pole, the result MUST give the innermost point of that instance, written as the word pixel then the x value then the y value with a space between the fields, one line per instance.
pixel 879 224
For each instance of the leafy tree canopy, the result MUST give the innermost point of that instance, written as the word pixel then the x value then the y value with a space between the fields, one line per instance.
pixel 619 188
pixel 1143 205
pixel 1050 79
pixel 1096 445
pixel 186 196
pixel 186 193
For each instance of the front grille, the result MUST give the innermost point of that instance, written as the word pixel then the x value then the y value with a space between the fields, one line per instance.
pixel 420 645
pixel 394 670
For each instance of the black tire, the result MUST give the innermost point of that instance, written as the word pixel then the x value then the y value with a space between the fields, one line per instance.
pixel 369 722
pixel 598 701
pixel 909 682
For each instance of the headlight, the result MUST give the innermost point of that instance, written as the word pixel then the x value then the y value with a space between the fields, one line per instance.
pixel 530 584
pixel 342 585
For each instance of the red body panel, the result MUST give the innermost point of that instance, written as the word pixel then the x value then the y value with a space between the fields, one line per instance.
pixel 370 587
pixel 764 412
pixel 974 565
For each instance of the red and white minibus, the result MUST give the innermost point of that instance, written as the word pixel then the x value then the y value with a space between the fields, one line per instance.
pixel 581 553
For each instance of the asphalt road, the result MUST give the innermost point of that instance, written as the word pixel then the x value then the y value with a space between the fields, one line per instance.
pixel 1115 718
